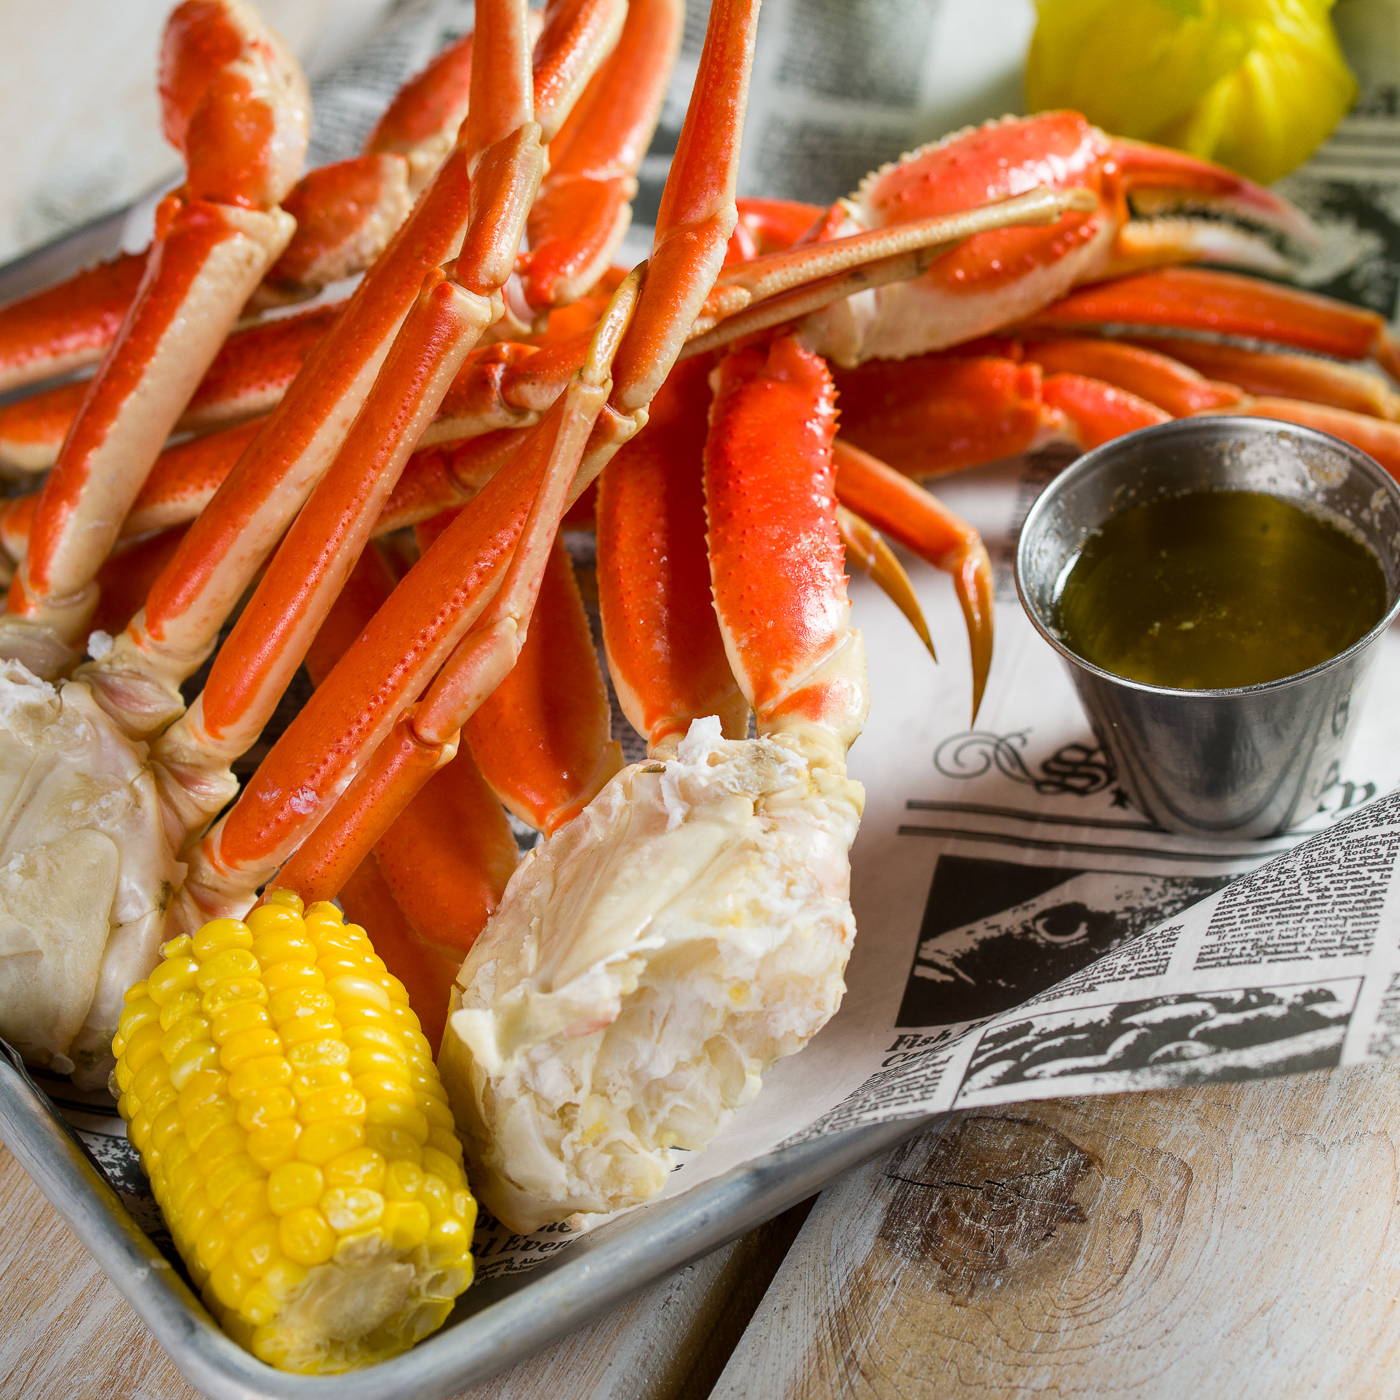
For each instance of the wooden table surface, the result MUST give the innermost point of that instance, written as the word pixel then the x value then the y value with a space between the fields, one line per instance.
pixel 1231 1240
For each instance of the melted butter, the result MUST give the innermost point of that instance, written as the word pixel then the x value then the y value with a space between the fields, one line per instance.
pixel 1212 590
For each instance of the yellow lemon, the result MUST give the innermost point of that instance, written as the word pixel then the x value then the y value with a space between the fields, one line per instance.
pixel 1255 84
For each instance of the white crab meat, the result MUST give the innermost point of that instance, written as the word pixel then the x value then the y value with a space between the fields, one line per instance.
pixel 86 873
pixel 647 964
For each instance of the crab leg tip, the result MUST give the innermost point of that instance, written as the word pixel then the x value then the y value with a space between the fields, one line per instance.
pixel 867 550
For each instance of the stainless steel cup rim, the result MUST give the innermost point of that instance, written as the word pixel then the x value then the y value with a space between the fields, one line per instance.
pixel 1186 428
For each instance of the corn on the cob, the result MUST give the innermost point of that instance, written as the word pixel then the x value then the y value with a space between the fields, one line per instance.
pixel 297 1137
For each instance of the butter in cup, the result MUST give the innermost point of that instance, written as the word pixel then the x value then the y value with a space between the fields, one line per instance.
pixel 1241 760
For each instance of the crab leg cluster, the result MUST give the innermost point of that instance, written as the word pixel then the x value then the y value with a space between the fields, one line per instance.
pixel 128 781
pixel 142 871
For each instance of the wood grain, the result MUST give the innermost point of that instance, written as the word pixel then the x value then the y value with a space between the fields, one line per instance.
pixel 1231 1240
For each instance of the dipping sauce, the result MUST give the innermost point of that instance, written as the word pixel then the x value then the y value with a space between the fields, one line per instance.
pixel 1212 590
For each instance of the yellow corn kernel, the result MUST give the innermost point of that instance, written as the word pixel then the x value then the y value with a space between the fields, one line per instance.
pixel 192 1058
pixel 398 1111
pixel 226 965
pixel 448 1241
pixel 142 1041
pixel 331 1105
pixel 407 1223
pixel 312 1027
pixel 260 1107
pixel 393 1144
pixel 297 1137
pixel 202 1123
pixel 402 1180
pixel 361 1166
pixel 238 1016
pixel 359 1013
pixel 210 1244
pixel 245 1207
pixel 320 1142
pixel 294 1185
pixel 306 1237
pixel 353 987
pixel 260 1306
pixel 289 974
pixel 173 976
pixel 430 1087
pixel 436 1195
pixel 190 1034
pixel 254 1043
pixel 178 1007
pixel 372 1038
pixel 147 1080
pixel 234 990
pixel 443 1165
pixel 204 1090
pixel 293 1003
pixel 439 1116
pixel 225 1141
pixel 269 922
pixel 375 1060
pixel 227 1284
pixel 352 1208
pixel 230 1174
pixel 256 1075
pixel 444 1142
pixel 311 1080
pixel 331 1052
pixel 165 1126
pixel 274 1143
pixel 219 934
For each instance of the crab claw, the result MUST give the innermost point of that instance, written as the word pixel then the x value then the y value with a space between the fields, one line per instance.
pixel 1158 182
pixel 867 551
pixel 999 276
pixel 894 503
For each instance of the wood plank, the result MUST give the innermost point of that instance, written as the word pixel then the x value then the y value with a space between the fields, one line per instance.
pixel 65 1331
pixel 67 1334
pixel 1236 1239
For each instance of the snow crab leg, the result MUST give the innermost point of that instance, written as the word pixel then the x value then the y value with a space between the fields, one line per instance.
pixel 937 414
pixel 236 104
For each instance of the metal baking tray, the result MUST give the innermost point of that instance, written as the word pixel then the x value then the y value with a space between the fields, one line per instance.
pixel 495 1323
